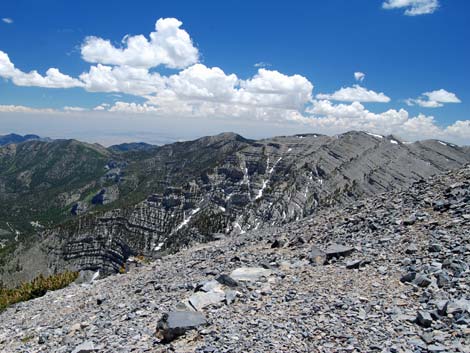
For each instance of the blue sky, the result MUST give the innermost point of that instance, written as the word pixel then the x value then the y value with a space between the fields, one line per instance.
pixel 414 54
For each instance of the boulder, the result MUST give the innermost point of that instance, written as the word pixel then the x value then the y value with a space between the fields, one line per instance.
pixel 177 323
pixel 442 279
pixel 409 277
pixel 458 306
pixel 422 281
pixel 226 280
pixel 424 319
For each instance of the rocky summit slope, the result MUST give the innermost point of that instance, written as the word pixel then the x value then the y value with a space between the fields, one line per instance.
pixel 389 273
pixel 193 190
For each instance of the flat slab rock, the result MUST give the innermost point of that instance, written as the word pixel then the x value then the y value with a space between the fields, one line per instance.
pixel 250 274
pixel 177 323
pixel 338 250
pixel 201 300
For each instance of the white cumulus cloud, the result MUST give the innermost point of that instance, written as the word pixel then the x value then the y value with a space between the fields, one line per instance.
pixel 201 88
pixel 7 20
pixel 359 76
pixel 53 78
pixel 442 96
pixel 355 93
pixel 413 7
pixel 124 79
pixel 169 45
pixel 272 88
pixel 326 117
pixel 434 99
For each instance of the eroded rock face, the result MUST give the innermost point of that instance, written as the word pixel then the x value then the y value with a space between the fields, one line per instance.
pixel 253 184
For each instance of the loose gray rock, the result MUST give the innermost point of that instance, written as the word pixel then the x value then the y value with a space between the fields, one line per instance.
pixel 422 281
pixel 424 318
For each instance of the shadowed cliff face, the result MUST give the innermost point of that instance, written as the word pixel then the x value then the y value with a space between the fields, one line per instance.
pixel 226 184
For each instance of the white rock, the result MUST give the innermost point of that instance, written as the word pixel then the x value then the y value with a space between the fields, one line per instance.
pixel 250 274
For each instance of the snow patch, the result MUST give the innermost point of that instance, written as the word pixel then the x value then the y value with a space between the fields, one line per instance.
pixel 374 135
pixel 260 192
pixel 266 181
pixel 96 275
pixel 36 224
pixel 239 227
pixel 187 219
pixel 158 247
pixel 246 179
pixel 274 165
pixel 442 143
pixel 394 142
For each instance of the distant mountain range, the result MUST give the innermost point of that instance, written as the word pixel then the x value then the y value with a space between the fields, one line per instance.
pixel 123 147
pixel 132 146
pixel 15 138
pixel 67 204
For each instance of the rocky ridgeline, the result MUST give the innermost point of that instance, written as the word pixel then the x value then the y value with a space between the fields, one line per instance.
pixel 253 184
pixel 386 274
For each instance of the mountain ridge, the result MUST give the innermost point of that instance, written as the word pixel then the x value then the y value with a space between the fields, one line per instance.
pixel 13 138
pixel 178 194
